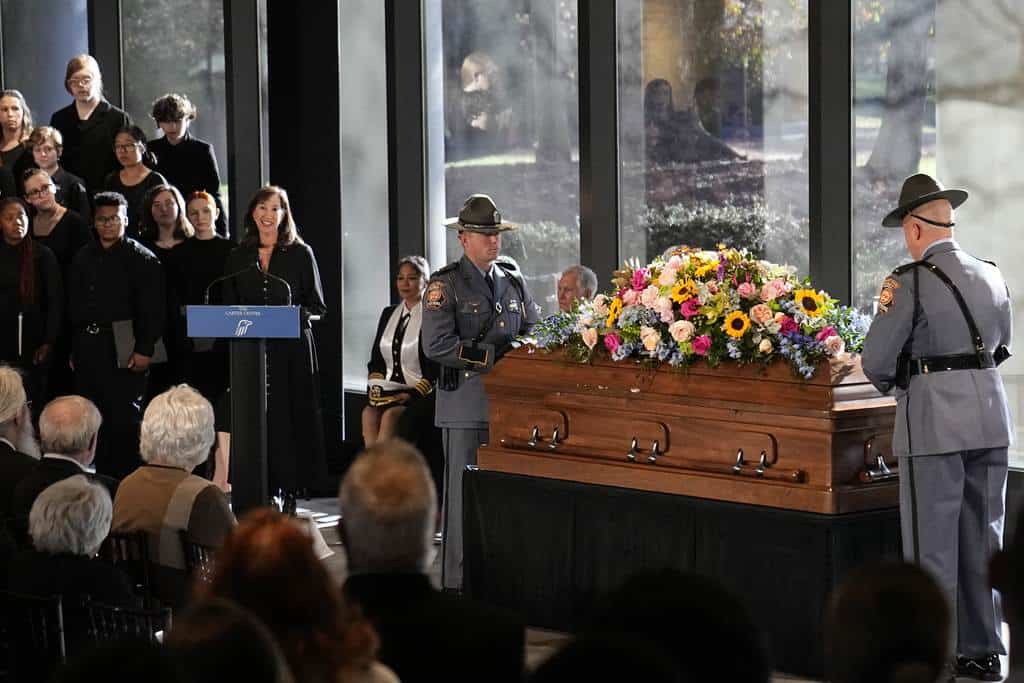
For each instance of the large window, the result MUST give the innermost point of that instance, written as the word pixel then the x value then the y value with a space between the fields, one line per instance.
pixel 713 126
pixel 39 39
pixel 940 89
pixel 503 77
pixel 177 46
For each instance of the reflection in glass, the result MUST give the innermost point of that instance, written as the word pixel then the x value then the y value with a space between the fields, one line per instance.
pixel 511 128
pixel 713 126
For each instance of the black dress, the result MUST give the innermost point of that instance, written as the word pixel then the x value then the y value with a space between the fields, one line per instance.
pixel 89 145
pixel 72 194
pixel 40 319
pixel 162 376
pixel 135 194
pixel 295 438
pixel 191 166
pixel 19 160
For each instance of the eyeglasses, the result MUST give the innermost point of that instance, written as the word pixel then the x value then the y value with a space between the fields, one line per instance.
pixel 108 220
pixel 41 192
pixel 84 81
pixel 126 147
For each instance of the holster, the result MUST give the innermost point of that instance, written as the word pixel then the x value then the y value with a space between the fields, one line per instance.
pixel 903 371
pixel 449 379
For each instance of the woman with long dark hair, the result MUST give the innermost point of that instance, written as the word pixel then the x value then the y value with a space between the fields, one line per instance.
pixel 31 299
pixel 273 251
pixel 136 177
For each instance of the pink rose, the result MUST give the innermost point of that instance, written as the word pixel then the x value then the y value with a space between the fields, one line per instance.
pixel 826 332
pixel 676 262
pixel 681 330
pixel 663 304
pixel 667 316
pixel 650 338
pixel 641 276
pixel 835 345
pixel 630 297
pixel 668 277
pixel 701 345
pixel 612 342
pixel 690 308
pixel 787 325
pixel 601 305
pixel 589 337
pixel 649 296
pixel 761 314
pixel 746 290
pixel 771 290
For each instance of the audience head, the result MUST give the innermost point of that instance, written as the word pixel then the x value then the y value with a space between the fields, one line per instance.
pixel 13 220
pixel 130 148
pixel 268 220
pixel 164 207
pixel 177 429
pixel 82 79
pixel 47 144
pixel 692 618
pixel 69 426
pixel 887 623
pixel 658 100
pixel 15 413
pixel 388 505
pixel 202 213
pixel 15 116
pixel 608 658
pixel 413 273
pixel 267 552
pixel 216 641
pixel 40 190
pixel 71 516
pixel 577 282
pixel 110 217
pixel 173 113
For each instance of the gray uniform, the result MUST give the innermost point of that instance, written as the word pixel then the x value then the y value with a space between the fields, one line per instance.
pixel 457 307
pixel 952 431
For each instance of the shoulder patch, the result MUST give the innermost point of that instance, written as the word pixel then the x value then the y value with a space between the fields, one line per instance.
pixel 887 296
pixel 434 297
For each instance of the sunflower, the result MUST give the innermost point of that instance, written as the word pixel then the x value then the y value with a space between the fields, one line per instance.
pixel 614 309
pixel 707 268
pixel 809 302
pixel 736 324
pixel 684 291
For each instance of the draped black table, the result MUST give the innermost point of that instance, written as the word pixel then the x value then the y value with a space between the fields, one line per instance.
pixel 548 549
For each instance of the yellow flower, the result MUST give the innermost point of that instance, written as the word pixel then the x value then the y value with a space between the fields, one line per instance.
pixel 684 291
pixel 809 302
pixel 736 324
pixel 613 312
pixel 707 268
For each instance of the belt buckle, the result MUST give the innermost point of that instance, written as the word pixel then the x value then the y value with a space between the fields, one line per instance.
pixel 924 367
pixel 92 328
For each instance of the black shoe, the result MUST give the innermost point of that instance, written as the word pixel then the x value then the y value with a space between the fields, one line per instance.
pixel 985 668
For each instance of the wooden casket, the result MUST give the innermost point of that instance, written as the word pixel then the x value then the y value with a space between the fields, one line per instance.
pixel 752 435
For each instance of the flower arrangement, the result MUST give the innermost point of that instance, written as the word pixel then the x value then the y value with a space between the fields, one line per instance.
pixel 691 305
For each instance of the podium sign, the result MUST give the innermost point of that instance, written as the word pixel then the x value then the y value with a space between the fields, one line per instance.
pixel 243 322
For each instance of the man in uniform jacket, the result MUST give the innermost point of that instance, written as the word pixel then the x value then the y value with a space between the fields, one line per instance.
pixel 472 310
pixel 115 282
pixel 943 325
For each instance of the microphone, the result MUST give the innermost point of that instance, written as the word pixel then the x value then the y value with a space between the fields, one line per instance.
pixel 287 287
pixel 222 278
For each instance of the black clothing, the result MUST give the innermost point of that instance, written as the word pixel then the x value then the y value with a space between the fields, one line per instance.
pixel 123 282
pixel 19 159
pixel 76 579
pixel 46 472
pixel 40 319
pixel 72 194
pixel 89 144
pixel 295 438
pixel 377 364
pixel 191 166
pixel 135 194
pixel 70 234
pixel 14 466
pixel 8 188
pixel 426 635
pixel 162 376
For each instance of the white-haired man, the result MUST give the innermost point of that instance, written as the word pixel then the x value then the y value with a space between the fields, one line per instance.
pixel 164 498
pixel 577 282
pixel 68 431
pixel 19 450
pixel 388 504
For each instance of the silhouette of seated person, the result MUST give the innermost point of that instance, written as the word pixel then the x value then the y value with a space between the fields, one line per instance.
pixel 678 136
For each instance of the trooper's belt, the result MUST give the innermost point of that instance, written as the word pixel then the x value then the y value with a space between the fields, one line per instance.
pixel 967 361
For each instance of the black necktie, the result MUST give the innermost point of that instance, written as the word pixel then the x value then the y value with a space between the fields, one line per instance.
pixel 490 282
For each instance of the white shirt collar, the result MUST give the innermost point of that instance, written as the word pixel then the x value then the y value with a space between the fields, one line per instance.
pixel 58 456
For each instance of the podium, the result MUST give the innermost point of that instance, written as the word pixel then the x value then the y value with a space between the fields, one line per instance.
pixel 248 328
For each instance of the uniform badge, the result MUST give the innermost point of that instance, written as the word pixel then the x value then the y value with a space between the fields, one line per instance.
pixel 434 298
pixel 513 305
pixel 497 306
pixel 887 297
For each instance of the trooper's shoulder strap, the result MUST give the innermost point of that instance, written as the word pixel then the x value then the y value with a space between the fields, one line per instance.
pixel 976 339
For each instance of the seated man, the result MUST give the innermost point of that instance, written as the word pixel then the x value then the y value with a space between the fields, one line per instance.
pixel 19 451
pixel 388 505
pixel 68 429
pixel 577 282
pixel 163 497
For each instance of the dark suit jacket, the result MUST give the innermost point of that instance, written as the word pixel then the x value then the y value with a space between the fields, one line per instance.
pixel 190 166
pixel 46 472
pixel 89 145
pixel 426 635
pixel 14 466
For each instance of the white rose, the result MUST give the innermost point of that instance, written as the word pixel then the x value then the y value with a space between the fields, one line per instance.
pixel 601 305
pixel 765 346
pixel 650 338
pixel 681 330
pixel 649 296
pixel 668 277
pixel 835 345
pixel 589 337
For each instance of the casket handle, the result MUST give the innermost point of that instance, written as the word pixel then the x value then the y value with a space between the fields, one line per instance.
pixel 534 437
pixel 653 457
pixel 631 453
pixel 762 464
pixel 738 467
pixel 554 440
pixel 875 467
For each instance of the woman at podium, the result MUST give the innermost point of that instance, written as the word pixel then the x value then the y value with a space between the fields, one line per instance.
pixel 274 267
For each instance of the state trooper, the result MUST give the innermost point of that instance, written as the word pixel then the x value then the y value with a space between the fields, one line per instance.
pixel 943 325
pixel 472 310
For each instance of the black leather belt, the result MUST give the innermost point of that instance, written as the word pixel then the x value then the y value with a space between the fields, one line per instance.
pixel 94 328
pixel 968 361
